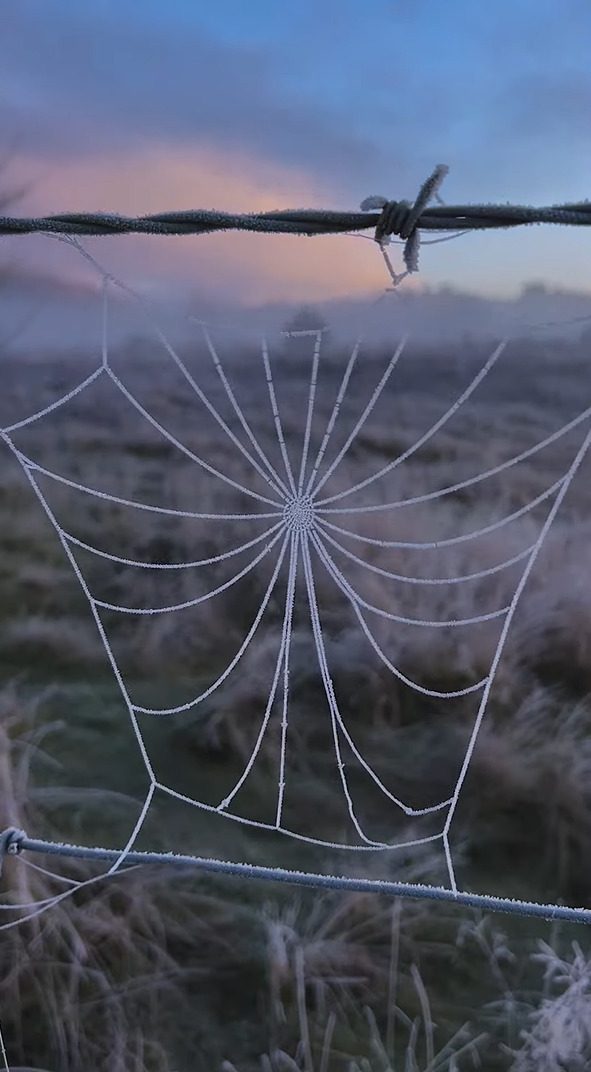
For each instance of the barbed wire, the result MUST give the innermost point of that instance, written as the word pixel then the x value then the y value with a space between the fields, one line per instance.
pixel 14 841
pixel 395 218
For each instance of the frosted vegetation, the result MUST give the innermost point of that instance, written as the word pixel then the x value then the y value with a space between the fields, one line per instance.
pixel 157 971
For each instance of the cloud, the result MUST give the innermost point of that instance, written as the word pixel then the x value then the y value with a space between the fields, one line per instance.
pixel 76 82
pixel 546 104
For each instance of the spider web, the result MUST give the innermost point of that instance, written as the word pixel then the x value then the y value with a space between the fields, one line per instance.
pixel 301 532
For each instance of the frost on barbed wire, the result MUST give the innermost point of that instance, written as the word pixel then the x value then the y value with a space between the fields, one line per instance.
pixel 302 531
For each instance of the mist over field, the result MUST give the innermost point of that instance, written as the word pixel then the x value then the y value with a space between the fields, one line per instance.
pixel 42 312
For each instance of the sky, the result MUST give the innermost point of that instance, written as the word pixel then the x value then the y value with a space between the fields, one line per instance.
pixel 139 106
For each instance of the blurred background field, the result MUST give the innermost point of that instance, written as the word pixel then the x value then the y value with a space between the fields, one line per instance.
pixel 166 970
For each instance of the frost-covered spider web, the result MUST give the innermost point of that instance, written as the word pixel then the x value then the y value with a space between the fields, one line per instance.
pixel 305 540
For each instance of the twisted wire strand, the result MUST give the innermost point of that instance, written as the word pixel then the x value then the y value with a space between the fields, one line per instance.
pixel 394 218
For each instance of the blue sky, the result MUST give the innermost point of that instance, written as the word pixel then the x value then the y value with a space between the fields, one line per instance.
pixel 139 106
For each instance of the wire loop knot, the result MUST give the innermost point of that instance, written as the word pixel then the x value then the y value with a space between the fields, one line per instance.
pixel 11 841
pixel 402 219
pixel 396 219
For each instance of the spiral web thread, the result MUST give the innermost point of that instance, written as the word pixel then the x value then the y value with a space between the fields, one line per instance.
pixel 303 528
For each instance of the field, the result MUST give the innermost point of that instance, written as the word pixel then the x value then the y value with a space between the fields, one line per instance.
pixel 166 970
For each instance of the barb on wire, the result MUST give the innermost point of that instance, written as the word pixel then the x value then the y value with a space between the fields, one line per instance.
pixel 395 218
